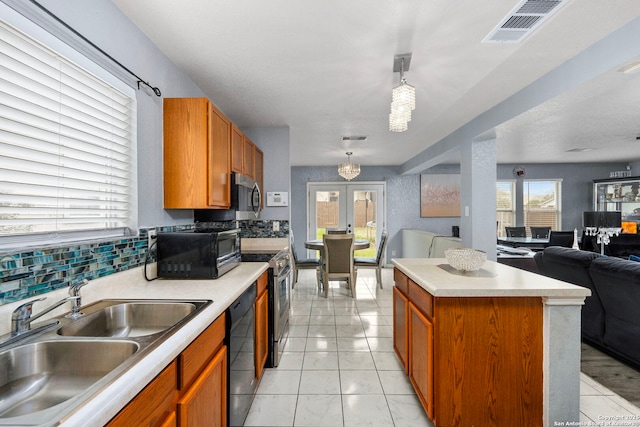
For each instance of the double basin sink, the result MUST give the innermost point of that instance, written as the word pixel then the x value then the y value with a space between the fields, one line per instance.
pixel 43 378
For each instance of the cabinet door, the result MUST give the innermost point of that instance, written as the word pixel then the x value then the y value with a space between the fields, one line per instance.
pixel 248 159
pixel 170 421
pixel 205 403
pixel 401 327
pixel 153 404
pixel 421 357
pixel 261 332
pixel 219 156
pixel 185 152
pixel 237 149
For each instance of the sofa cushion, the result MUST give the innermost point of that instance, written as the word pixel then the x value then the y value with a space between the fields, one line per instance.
pixel 571 265
pixel 617 282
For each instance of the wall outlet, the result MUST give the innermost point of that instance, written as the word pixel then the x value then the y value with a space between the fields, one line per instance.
pixel 276 225
pixel 152 235
pixel 393 253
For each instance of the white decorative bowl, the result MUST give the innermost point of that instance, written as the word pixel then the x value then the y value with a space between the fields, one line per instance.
pixel 465 259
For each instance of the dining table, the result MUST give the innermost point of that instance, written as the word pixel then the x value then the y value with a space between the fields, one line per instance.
pixel 318 245
pixel 526 242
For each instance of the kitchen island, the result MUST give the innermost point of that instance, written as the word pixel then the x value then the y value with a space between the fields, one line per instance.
pixel 496 347
pixel 105 404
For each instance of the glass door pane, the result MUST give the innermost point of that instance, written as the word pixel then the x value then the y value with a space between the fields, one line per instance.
pixel 357 208
pixel 364 214
pixel 329 212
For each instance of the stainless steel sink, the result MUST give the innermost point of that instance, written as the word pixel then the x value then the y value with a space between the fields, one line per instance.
pixel 41 375
pixel 129 319
pixel 46 376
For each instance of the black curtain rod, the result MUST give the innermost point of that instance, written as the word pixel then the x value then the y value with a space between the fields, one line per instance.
pixel 67 26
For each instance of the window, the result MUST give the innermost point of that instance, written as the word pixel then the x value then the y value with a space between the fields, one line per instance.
pixel 541 204
pixel 505 205
pixel 67 148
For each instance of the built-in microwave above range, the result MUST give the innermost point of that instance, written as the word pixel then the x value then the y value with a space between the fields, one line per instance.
pixel 246 199
pixel 198 254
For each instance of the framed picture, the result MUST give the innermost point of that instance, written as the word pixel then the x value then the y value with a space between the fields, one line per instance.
pixel 439 195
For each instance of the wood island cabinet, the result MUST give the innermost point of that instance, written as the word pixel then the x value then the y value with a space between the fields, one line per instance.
pixel 421 356
pixel 191 391
pixel 197 155
pixel 471 360
pixel 401 327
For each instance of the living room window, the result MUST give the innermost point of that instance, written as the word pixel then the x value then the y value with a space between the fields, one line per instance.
pixel 542 203
pixel 67 145
pixel 505 205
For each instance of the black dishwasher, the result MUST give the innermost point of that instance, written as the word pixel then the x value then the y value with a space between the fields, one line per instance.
pixel 242 373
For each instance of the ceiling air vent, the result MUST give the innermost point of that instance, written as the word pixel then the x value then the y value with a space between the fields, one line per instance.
pixel 522 20
pixel 354 138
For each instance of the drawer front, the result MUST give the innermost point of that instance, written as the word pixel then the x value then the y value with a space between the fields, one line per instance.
pixel 401 280
pixel 195 357
pixel 422 299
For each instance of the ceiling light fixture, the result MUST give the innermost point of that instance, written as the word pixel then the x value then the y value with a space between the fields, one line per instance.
pixel 403 97
pixel 630 68
pixel 348 170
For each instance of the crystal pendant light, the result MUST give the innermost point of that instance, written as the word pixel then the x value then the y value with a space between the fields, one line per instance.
pixel 348 170
pixel 403 98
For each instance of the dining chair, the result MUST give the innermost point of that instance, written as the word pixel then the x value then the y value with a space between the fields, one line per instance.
pixel 516 231
pixel 561 238
pixel 337 261
pixel 376 262
pixel 302 263
pixel 336 231
pixel 540 232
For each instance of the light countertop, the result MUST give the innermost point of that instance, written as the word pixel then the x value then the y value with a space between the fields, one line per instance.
pixel 438 278
pixel 131 284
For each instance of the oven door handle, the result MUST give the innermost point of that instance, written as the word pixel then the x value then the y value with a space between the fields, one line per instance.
pixel 285 271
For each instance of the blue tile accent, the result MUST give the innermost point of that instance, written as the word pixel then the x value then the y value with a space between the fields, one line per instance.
pixel 42 270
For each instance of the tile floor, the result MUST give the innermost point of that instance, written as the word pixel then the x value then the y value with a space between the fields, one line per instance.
pixel 339 368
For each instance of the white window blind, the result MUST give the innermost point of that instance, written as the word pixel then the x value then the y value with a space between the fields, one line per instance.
pixel 67 143
pixel 505 206
pixel 542 203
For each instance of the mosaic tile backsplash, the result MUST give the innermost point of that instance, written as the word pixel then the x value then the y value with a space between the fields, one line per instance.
pixel 38 271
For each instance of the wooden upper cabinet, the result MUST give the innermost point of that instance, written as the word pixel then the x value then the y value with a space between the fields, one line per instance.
pixel 197 155
pixel 237 149
pixel 219 194
pixel 248 159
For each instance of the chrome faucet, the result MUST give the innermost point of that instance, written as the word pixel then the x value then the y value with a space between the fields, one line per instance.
pixel 21 317
pixel 74 292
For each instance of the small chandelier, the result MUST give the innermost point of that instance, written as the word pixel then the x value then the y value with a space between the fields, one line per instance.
pixel 403 97
pixel 348 170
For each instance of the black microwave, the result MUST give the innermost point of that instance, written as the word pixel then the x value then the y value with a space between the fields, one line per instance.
pixel 198 254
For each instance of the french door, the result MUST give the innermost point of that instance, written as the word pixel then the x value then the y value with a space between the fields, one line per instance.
pixel 356 207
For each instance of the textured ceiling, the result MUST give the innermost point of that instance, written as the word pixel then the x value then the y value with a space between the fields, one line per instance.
pixel 324 69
